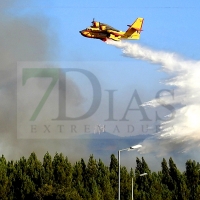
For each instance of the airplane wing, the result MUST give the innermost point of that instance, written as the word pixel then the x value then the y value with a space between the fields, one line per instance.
pixel 134 30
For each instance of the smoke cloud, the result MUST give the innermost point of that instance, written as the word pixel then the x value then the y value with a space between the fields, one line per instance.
pixel 180 132
pixel 27 38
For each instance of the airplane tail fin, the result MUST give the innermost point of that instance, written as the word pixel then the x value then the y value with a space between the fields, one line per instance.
pixel 134 30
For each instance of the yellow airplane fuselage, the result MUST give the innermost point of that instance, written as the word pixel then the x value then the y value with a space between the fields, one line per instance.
pixel 102 35
pixel 103 31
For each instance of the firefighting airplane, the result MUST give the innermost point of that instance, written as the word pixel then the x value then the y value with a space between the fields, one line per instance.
pixel 103 31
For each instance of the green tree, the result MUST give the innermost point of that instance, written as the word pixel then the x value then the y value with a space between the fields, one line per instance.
pixel 46 192
pixel 103 181
pixel 48 169
pixel 4 179
pixel 62 171
pixel 166 177
pixel 34 170
pixel 78 182
pixel 178 181
pixel 113 163
pixel 125 185
pixel 114 175
pixel 22 185
pixel 95 193
pixel 11 172
pixel 142 181
pixel 91 174
pixel 156 188
pixel 192 175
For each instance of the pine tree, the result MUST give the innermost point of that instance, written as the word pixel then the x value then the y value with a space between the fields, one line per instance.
pixel 84 175
pixel 34 170
pixel 17 182
pixel 166 178
pixel 178 181
pixel 114 175
pixel 156 188
pixel 103 181
pixel 143 182
pixel 46 192
pixel 125 185
pixel 95 193
pixel 11 177
pixel 113 163
pixel 22 184
pixel 91 174
pixel 4 179
pixel 48 169
pixel 192 175
pixel 84 193
pixel 77 181
pixel 62 171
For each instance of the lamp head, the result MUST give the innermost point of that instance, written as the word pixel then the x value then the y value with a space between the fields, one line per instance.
pixel 144 174
pixel 136 146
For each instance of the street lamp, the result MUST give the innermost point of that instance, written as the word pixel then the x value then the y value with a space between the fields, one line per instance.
pixel 127 149
pixel 134 147
pixel 144 174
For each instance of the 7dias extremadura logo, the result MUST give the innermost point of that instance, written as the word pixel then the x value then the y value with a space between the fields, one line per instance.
pixel 61 100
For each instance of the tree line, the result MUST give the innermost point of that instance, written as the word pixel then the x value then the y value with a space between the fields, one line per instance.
pixel 58 178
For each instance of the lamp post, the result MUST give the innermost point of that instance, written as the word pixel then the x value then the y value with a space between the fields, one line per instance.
pixel 132 188
pixel 127 149
pixel 144 174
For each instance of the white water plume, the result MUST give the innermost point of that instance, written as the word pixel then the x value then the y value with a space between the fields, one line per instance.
pixel 184 127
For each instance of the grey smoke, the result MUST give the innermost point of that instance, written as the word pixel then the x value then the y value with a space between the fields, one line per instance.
pixel 29 39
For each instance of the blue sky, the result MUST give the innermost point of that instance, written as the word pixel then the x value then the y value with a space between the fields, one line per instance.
pixel 171 26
